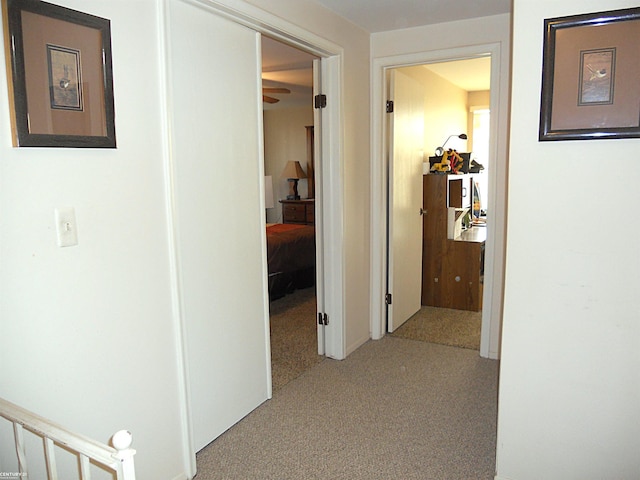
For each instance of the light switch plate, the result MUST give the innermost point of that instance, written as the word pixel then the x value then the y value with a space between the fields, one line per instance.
pixel 66 227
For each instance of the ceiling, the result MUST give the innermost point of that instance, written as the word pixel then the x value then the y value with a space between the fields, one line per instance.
pixel 473 75
pixel 382 15
pixel 288 67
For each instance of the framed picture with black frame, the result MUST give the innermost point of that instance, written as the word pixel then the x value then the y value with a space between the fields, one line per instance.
pixel 61 76
pixel 590 72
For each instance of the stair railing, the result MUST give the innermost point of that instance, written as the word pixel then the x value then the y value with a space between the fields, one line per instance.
pixel 118 459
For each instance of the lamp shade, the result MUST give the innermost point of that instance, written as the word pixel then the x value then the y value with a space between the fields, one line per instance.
pixel 293 170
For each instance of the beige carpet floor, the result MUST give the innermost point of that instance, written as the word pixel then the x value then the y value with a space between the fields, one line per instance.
pixel 294 344
pixel 394 409
pixel 444 326
pixel 294 332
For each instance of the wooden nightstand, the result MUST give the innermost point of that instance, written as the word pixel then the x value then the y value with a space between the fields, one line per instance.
pixel 299 211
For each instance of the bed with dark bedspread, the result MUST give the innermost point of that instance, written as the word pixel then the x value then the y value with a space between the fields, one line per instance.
pixel 291 258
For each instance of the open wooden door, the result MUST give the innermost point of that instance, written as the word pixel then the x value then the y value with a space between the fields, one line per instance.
pixel 218 215
pixel 406 134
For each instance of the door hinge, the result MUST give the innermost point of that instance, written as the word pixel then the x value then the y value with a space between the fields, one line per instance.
pixel 389 106
pixel 388 299
pixel 323 319
pixel 320 101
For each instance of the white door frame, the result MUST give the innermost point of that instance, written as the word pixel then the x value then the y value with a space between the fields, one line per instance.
pixel 331 209
pixel 494 257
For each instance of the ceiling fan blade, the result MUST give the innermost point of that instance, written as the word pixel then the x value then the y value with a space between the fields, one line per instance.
pixel 275 90
pixel 269 99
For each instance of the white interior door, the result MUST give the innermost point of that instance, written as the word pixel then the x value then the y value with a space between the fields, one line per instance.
pixel 406 134
pixel 219 222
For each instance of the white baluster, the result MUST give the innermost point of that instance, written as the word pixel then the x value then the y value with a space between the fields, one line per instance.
pixel 22 458
pixel 49 454
pixel 85 472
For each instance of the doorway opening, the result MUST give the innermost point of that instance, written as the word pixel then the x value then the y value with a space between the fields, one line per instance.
pixel 290 200
pixel 490 290
pixel 444 173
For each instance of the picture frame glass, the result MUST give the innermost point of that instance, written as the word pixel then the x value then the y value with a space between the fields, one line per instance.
pixel 60 111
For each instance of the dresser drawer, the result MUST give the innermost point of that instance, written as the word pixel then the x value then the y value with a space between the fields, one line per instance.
pixel 298 211
pixel 294 213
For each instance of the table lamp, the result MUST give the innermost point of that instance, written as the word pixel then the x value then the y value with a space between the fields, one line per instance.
pixel 293 172
pixel 440 150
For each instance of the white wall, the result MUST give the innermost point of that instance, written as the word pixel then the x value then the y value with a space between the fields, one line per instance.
pixel 285 138
pixel 87 332
pixel 569 381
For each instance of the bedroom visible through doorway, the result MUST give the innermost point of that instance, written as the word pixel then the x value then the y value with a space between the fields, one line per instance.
pixel 287 80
